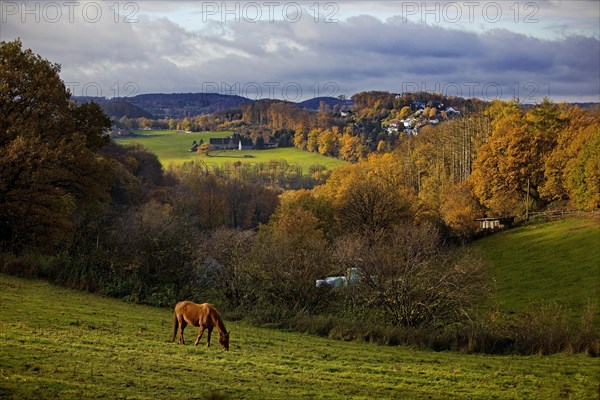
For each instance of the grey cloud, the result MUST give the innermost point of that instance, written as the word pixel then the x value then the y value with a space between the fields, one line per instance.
pixel 360 53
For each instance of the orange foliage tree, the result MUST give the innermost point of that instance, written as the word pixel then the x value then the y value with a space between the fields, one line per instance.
pixel 571 169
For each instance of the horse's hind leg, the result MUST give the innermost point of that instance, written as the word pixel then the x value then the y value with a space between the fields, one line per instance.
pixel 175 327
pixel 200 333
pixel 182 325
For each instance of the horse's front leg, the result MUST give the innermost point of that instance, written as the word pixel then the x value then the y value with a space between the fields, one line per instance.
pixel 200 333
pixel 208 337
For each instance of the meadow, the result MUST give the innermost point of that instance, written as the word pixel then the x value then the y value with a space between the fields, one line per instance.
pixel 172 147
pixel 557 261
pixel 60 343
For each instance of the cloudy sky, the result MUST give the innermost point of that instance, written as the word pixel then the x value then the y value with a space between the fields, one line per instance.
pixel 296 50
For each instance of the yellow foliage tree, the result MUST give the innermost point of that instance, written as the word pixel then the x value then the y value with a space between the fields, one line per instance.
pixel 351 148
pixel 370 197
pixel 509 169
pixel 566 179
pixel 460 209
pixel 405 112
pixel 312 142
pixel 328 142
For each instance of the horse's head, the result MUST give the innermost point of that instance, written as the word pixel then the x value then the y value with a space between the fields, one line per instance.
pixel 224 340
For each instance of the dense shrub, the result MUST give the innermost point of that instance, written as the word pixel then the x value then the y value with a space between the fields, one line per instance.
pixel 412 278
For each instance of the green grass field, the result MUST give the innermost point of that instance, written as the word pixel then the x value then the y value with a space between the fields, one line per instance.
pixel 554 261
pixel 172 147
pixel 59 343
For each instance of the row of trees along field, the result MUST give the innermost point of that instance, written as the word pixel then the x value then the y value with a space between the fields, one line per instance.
pixel 83 211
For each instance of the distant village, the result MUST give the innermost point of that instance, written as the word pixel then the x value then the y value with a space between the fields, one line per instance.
pixel 422 116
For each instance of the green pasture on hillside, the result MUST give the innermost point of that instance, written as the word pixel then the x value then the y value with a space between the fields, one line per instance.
pixel 172 147
pixel 57 343
pixel 555 261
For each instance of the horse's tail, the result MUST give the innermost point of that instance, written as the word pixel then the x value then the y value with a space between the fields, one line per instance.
pixel 175 326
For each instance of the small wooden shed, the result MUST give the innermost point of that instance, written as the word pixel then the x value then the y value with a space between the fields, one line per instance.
pixel 495 223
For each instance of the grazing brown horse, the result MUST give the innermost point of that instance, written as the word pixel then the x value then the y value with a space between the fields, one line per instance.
pixel 204 316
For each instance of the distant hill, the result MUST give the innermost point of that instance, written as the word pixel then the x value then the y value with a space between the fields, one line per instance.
pixel 585 106
pixel 117 107
pixel 161 105
pixel 179 105
pixel 314 104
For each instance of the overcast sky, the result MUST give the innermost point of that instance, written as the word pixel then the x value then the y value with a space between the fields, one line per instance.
pixel 296 50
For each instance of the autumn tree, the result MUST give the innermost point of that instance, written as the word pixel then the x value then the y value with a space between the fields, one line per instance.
pixel 370 197
pixel 312 142
pixel 569 171
pixel 308 200
pixel 373 104
pixel 205 149
pixel 144 123
pixel 509 169
pixel 460 208
pixel 300 138
pixel 584 174
pixel 328 142
pixel 351 148
pixel 405 112
pixel 186 125
pixel 289 255
pixel 48 164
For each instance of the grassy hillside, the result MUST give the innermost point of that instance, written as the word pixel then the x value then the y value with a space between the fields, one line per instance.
pixel 172 147
pixel 58 343
pixel 553 261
